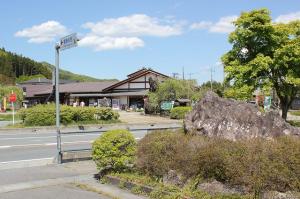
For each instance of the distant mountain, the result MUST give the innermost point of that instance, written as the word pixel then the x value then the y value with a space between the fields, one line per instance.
pixel 16 68
pixel 67 75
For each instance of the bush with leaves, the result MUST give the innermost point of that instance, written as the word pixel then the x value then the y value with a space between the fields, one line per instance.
pixel 44 115
pixel 257 164
pixel 106 114
pixel 40 115
pixel 114 149
pixel 179 112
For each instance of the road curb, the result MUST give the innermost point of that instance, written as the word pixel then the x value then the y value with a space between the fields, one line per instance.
pixel 52 129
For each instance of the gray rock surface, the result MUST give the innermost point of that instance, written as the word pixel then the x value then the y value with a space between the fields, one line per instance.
pixel 231 119
pixel 173 178
pixel 279 195
pixel 216 187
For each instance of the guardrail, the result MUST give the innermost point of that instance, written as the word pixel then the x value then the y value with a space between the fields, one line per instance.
pixel 75 152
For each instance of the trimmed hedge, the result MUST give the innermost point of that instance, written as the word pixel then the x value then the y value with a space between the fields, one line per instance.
pixel 256 164
pixel 44 115
pixel 115 150
pixel 179 112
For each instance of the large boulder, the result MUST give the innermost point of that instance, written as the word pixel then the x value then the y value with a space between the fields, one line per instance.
pixel 231 119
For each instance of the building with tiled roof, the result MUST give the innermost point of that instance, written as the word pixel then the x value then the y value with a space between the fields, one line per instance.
pixel 121 94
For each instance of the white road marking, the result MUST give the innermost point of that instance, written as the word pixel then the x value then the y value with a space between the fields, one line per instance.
pixel 4 147
pixel 44 144
pixel 45 137
pixel 27 160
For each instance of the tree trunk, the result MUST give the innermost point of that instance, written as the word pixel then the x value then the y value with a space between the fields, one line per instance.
pixel 284 109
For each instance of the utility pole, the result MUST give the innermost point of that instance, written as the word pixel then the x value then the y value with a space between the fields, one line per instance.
pixel 211 71
pixel 57 104
pixel 65 43
pixel 183 72
pixel 175 75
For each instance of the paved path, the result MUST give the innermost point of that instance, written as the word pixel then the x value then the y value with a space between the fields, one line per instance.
pixel 65 191
pixel 71 180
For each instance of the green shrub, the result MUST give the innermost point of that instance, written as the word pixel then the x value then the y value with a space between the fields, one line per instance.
pixel 114 149
pixel 179 112
pixel 44 115
pixel 40 115
pixel 155 152
pixel 66 115
pixel 257 164
pixel 84 114
pixel 106 114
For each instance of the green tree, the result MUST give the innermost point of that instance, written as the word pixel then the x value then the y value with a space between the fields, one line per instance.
pixel 263 55
pixel 171 90
pixel 216 87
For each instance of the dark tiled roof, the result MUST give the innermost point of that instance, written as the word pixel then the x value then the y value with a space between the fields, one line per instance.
pixel 32 90
pixel 81 87
pixel 137 72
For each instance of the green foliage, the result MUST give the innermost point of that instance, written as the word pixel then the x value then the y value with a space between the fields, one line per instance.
pixel 294 123
pixel 13 66
pixel 66 75
pixel 164 191
pixel 297 113
pixel 217 87
pixel 155 154
pixel 40 115
pixel 114 149
pixel 44 115
pixel 171 90
pixel 24 78
pixel 16 68
pixel 5 91
pixel 179 112
pixel 257 164
pixel 106 114
pixel 242 93
pixel 264 55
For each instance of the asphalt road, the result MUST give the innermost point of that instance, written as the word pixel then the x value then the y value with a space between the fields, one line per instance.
pixel 32 146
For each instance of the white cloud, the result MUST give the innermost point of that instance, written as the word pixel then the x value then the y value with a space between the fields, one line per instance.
pixel 126 32
pixel 45 32
pixel 109 43
pixel 288 17
pixel 224 25
pixel 133 25
pixel 201 25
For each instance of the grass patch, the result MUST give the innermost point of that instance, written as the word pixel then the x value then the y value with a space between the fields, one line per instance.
pixel 297 113
pixel 294 123
pixel 9 117
pixel 162 191
pixel 93 189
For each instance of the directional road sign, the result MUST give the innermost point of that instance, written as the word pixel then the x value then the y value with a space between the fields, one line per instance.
pixel 68 41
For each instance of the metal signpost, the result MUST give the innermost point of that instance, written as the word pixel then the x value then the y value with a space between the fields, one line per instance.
pixel 12 100
pixel 65 43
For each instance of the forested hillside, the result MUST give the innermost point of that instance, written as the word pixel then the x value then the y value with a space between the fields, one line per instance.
pixel 14 67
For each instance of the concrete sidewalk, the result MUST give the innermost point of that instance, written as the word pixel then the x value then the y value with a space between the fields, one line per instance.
pixel 70 180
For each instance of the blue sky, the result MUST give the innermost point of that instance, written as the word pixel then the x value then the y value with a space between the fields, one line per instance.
pixel 119 37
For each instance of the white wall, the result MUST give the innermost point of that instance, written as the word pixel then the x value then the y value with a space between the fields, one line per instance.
pixel 137 85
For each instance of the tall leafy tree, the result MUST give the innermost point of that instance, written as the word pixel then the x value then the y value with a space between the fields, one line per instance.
pixel 264 55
